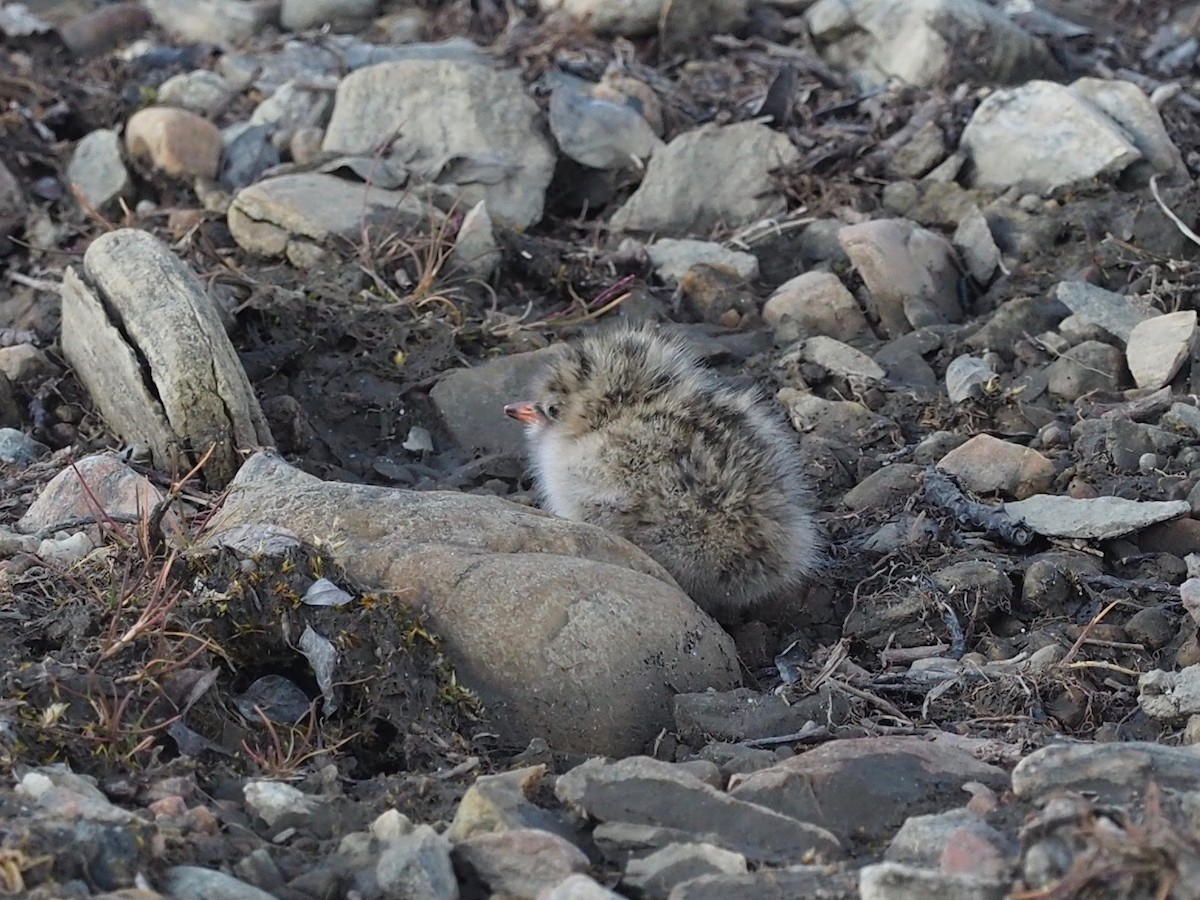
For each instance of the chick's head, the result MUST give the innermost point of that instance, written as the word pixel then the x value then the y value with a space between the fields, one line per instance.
pixel 593 380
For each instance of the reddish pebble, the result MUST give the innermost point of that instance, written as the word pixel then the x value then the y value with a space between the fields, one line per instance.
pixel 969 853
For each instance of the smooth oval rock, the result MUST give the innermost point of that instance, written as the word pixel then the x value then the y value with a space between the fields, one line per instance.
pixel 175 141
pixel 566 632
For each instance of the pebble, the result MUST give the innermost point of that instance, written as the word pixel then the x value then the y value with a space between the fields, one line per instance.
pixel 988 465
pixel 297 15
pixel 25 364
pixel 819 304
pixel 1091 366
pixel 1115 313
pixel 1098 518
pixel 97 170
pixel 672 258
pixel 175 141
pixel 18 448
pixel 104 29
pixel 201 91
pixel 1159 346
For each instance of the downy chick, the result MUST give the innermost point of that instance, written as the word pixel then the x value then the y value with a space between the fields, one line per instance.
pixel 631 432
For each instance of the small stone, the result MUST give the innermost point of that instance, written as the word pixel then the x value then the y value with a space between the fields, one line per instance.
pixel 655 875
pixel 1098 517
pixel 1115 313
pixel 25 364
pixel 417 865
pixel 672 258
pixel 104 29
pixel 97 171
pixel 1159 346
pixel 176 141
pixel 884 489
pixel 820 305
pixel 1152 627
pixel 195 883
pixel 890 881
pixel 476 253
pixel 988 465
pixel 1091 366
pixel 841 359
pixel 279 804
pixel 521 862
pixel 298 15
pixel 967 377
pixel 200 91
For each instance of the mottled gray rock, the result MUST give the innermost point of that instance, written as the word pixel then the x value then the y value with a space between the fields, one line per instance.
pixel 638 17
pixel 220 22
pixel 468 125
pixel 840 359
pixel 640 790
pixel 655 875
pixel 1090 366
pixel 201 91
pixel 297 15
pixel 1127 105
pixel 597 132
pixel 471 401
pixel 138 312
pixel 988 465
pixel 893 881
pixel 816 882
pixel 709 176
pixel 476 253
pixel 566 631
pixel 1170 697
pixel 864 788
pixel 521 862
pixel 417 865
pixel 1114 772
pixel 910 272
pixel 578 887
pixel 111 485
pixel 97 171
pixel 18 448
pixel 743 714
pixel 1098 518
pixel 919 42
pixel 1044 136
pixel 196 883
pixel 887 488
pixel 818 303
pixel 292 106
pixel 496 803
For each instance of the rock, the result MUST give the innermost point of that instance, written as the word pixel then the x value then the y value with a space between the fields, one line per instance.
pixel 988 465
pixel 1098 518
pixel 97 171
pixel 417 865
pixel 793 881
pixel 289 213
pixel 280 805
pixel 26 365
pixel 818 303
pixel 200 91
pixel 918 43
pixel 1115 313
pixel 195 883
pixel 470 125
pixel 298 15
pixel 975 244
pixel 175 141
pixel 640 790
pixel 672 258
pixel 292 106
pixel 471 401
pixel 521 862
pixel 18 448
pixel 496 803
pixel 842 420
pixel 1064 140
pixel 1113 773
pixel 885 488
pixel 655 875
pixel 103 29
pixel 476 253
pixel 12 204
pixel 248 154
pixel 1158 347
pixel 599 133
pixel 10 412
pixel 840 359
pixel 1090 366
pixel 683 194
pixel 633 18
pixel 111 485
pixel 1152 627
pixel 221 22
pixel 1183 417
pixel 731 759
pixel 578 887
pixel 891 881
pixel 967 378
pixel 1127 105
pixel 743 715
pixel 862 789
pixel 909 271
pixel 538 613
pixel 920 153
pixel 169 331
pixel 1170 697
pixel 922 840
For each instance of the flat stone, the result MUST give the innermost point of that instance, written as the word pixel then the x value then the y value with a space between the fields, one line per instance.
pixel 469 125
pixel 884 489
pixel 862 789
pixel 744 714
pixel 1127 105
pixel 521 862
pixel 565 631
pixel 1098 518
pixel 641 790
pixel 110 485
pixel 196 883
pixel 18 448
pixel 220 22
pixel 655 875
pixel 202 91
pixel 816 882
pixel 1090 366
pixel 1158 347
pixel 298 15
pixel 709 176
pixel 1117 314
pixel 496 803
pixel 841 359
pixel 578 887
pixel 1171 697
pixel 275 216
pixel 417 865
pixel 672 258
pixel 598 132
pixel 890 881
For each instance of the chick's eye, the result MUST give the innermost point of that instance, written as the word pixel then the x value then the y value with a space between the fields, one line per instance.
pixel 551 410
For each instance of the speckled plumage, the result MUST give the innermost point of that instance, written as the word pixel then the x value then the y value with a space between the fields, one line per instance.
pixel 631 432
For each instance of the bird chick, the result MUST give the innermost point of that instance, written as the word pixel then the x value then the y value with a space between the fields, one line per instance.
pixel 631 432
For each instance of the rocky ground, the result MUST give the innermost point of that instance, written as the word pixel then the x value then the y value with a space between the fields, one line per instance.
pixel 280 617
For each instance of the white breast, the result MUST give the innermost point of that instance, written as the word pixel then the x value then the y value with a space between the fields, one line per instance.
pixel 569 476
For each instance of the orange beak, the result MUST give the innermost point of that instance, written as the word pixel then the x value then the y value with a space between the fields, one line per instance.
pixel 526 413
